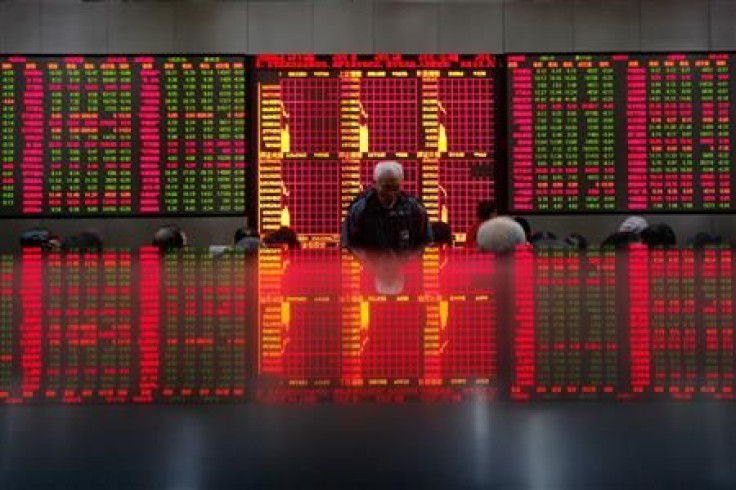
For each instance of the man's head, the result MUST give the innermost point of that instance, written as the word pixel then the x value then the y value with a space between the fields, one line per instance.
pixel 387 177
pixel 169 238
pixel 485 210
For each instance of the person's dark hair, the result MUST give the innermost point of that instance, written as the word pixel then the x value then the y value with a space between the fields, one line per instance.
pixel 542 236
pixel 485 210
pixel 620 239
pixel 245 232
pixel 577 241
pixel 703 239
pixel 525 225
pixel 441 233
pixel 35 237
pixel 86 241
pixel 169 238
pixel 283 236
pixel 659 235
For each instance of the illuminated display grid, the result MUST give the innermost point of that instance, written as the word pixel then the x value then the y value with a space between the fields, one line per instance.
pixel 7 137
pixel 466 111
pixel 462 184
pixel 309 198
pixel 203 327
pixel 389 108
pixel 122 135
pixel 672 321
pixel 312 114
pixel 88 328
pixel 562 127
pixel 102 328
pixel 686 349
pixel 575 335
pixel 716 268
pixel 356 337
pixel 620 132
pixel 392 108
pixel 7 324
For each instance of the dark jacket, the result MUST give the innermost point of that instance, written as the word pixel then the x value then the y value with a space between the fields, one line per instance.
pixel 368 225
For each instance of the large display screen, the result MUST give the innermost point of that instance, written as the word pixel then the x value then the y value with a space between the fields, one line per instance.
pixel 122 135
pixel 368 330
pixel 620 133
pixel 123 326
pixel 325 121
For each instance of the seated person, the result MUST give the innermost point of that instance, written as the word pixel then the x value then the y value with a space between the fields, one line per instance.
pixel 620 240
pixel 247 240
pixel 384 217
pixel 40 238
pixel 441 234
pixel 659 235
pixel 87 241
pixel 169 238
pixel 284 237
pixel 576 242
pixel 706 240
pixel 485 211
pixel 500 235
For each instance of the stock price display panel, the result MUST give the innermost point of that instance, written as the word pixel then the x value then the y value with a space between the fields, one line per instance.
pixel 387 331
pixel 619 133
pixel 131 135
pixel 325 121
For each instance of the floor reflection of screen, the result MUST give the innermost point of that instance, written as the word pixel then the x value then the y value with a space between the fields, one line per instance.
pixel 357 342
pixel 126 326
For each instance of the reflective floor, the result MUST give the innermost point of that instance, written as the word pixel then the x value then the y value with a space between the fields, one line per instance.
pixel 555 369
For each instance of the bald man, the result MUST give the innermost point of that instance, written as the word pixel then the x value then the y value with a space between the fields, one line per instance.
pixel 384 217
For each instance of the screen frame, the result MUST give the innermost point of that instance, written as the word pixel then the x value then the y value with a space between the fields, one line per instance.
pixel 247 63
pixel 509 209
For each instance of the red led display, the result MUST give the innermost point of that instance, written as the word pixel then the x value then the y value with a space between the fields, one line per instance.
pixel 349 340
pixel 125 327
pixel 324 121
pixel 130 135
pixel 566 340
pixel 686 349
pixel 620 132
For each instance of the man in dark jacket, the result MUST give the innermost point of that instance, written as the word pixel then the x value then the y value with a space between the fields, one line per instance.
pixel 384 218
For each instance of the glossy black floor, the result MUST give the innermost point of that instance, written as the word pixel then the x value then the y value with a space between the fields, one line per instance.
pixel 319 369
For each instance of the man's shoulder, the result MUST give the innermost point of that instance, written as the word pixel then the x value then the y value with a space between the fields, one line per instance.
pixel 412 202
pixel 360 203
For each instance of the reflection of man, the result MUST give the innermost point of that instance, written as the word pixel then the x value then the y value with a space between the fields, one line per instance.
pixel 384 218
pixel 386 268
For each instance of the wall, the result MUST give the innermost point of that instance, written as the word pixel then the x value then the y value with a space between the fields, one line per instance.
pixel 363 26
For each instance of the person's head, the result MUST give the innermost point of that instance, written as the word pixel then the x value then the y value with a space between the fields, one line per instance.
pixel 703 239
pixel 659 235
pixel 620 239
pixel 633 224
pixel 169 237
pixel 244 232
pixel 40 238
pixel 577 242
pixel 542 236
pixel 87 241
pixel 500 235
pixel 485 210
pixel 387 177
pixel 441 233
pixel 524 223
pixel 284 236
